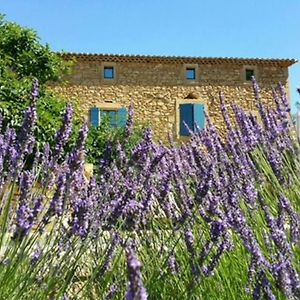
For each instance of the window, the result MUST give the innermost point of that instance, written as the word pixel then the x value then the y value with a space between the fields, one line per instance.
pixel 192 117
pixel 111 115
pixel 249 73
pixel 190 73
pixel 116 117
pixel 108 73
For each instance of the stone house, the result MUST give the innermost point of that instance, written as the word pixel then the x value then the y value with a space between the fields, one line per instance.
pixel 167 91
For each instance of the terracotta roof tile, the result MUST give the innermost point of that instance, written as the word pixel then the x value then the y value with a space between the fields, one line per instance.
pixel 175 59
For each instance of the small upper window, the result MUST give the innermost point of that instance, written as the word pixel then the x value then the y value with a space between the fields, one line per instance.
pixel 190 73
pixel 249 74
pixel 108 73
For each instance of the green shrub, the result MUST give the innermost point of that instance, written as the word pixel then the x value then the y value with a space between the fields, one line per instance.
pixel 22 58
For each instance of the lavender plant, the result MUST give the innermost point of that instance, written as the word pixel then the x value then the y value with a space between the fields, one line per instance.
pixel 217 217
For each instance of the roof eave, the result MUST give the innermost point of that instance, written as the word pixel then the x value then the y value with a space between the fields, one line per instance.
pixel 174 59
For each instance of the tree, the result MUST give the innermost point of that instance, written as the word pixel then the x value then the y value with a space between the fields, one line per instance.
pixel 24 55
pixel 22 58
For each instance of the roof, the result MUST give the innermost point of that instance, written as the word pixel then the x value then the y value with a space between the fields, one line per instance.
pixel 176 59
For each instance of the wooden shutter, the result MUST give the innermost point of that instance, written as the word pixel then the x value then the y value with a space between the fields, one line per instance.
pixel 199 116
pixel 186 117
pixel 122 117
pixel 95 116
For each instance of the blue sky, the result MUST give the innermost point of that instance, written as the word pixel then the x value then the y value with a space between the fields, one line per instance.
pixel 232 28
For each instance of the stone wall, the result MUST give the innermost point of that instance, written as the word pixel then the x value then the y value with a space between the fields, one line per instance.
pixel 167 74
pixel 157 89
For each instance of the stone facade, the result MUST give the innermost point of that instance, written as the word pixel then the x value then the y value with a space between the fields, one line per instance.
pixel 156 86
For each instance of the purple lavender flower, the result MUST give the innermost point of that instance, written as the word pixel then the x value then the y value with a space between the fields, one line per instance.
pixel 286 277
pixel 205 184
pixel 26 183
pixel 49 167
pixel 281 111
pixel 122 158
pixel 1 122
pixel 263 287
pixel 250 193
pixel 129 122
pixel 112 292
pixel 83 132
pixel 218 229
pixel 173 265
pixel 284 272
pixel 26 138
pixel 246 126
pixel 189 241
pixel 260 105
pixel 225 111
pixel 80 221
pixel 23 225
pixel 109 256
pixel 36 255
pixel 141 151
pixel 136 289
pixel 65 297
pixel 76 157
pixel 238 222
pixel 164 192
pixel 64 133
pixel 35 90
pixel 131 212
pixel 287 211
pixel 275 161
pixel 221 249
pixel 57 202
pixel 284 98
pixel 24 213
pixel 205 252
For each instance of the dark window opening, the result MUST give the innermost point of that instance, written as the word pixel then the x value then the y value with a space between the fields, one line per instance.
pixel 249 74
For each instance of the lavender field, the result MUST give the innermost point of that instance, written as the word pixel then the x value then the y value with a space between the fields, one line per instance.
pixel 214 218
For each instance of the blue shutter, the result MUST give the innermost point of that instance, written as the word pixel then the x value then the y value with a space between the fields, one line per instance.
pixel 95 116
pixel 186 116
pixel 199 116
pixel 122 117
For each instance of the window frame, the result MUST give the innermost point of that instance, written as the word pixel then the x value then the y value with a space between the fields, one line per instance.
pixel 244 74
pixel 106 68
pixel 248 76
pixel 187 67
pixel 187 77
pixel 108 107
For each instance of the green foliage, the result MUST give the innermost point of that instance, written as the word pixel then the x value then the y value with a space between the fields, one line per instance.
pixel 50 114
pixel 22 58
pixel 100 137
pixel 22 55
